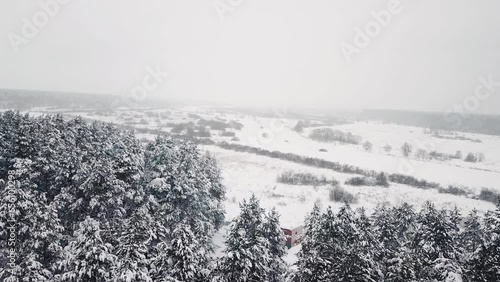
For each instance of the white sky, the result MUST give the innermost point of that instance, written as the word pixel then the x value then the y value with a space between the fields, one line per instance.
pixel 272 53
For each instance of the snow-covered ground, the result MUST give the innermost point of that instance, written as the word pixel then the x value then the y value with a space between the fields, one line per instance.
pixel 283 138
pixel 246 174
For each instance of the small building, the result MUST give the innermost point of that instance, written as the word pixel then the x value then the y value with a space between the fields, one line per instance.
pixel 293 235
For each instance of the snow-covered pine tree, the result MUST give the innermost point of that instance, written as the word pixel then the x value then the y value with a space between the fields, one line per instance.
pixel 435 240
pixel 310 266
pixel 246 256
pixel 485 263
pixel 445 270
pixel 273 233
pixel 97 193
pixel 392 228
pixel 88 257
pixel 133 248
pixel 47 158
pixel 369 244
pixel 217 190
pixel 473 234
pixel 385 231
pixel 26 213
pixel 339 251
pixel 354 259
pixel 405 220
pixel 183 189
pixel 186 260
pixel 400 266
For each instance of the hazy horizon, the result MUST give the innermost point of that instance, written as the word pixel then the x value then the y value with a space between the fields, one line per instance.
pixel 427 57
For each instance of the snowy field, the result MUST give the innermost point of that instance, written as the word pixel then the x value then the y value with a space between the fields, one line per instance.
pixel 283 138
pixel 245 174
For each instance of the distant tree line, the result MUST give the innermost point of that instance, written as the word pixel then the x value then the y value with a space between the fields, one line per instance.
pixel 379 180
pixel 301 124
pixel 303 178
pixel 330 135
pixel 472 123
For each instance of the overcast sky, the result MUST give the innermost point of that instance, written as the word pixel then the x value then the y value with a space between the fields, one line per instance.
pixel 260 52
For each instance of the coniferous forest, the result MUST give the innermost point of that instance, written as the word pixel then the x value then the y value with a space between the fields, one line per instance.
pixel 88 202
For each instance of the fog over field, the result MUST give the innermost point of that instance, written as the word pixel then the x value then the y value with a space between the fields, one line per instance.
pixel 232 140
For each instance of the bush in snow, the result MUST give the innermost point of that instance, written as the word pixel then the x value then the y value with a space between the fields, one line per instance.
pixel 360 181
pixel 489 195
pixel 339 194
pixel 368 146
pixel 455 190
pixel 303 178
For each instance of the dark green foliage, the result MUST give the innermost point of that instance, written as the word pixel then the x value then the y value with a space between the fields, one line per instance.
pixel 454 190
pixel 381 180
pixel 359 181
pixel 339 194
pixel 303 178
pixel 485 262
pixel 398 244
pixel 91 204
pixel 330 135
pixel 489 195
pixel 412 181
pixel 253 249
pixel 339 248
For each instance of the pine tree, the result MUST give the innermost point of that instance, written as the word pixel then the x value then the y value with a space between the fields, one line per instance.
pixel 400 266
pixel 338 249
pixel 186 260
pixel 217 190
pixel 392 227
pixel 445 270
pixel 133 248
pixel 473 235
pixel 97 193
pixel 247 255
pixel 405 220
pixel 354 261
pixel 88 257
pixel 88 195
pixel 184 187
pixel 385 231
pixel 26 213
pixel 485 264
pixel 276 242
pixel 311 228
pixel 310 267
pixel 434 241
